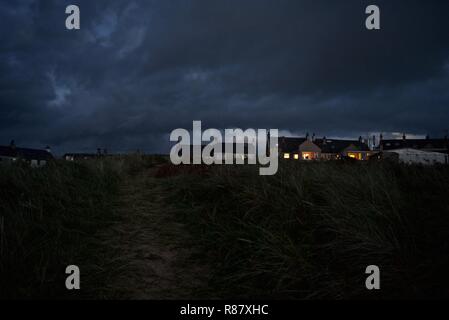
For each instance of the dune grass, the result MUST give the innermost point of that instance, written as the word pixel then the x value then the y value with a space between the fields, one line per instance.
pixel 311 230
pixel 49 218
pixel 308 232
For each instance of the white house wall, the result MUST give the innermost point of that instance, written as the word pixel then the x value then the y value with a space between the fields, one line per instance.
pixel 411 156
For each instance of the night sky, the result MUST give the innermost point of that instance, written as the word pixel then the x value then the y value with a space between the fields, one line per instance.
pixel 139 69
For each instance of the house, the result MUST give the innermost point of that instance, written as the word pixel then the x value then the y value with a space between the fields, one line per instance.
pixel 427 144
pixel 35 157
pixel 235 151
pixel 86 156
pixel 230 152
pixel 289 147
pixel 310 148
pixel 79 156
pixel 414 156
pixel 7 154
pixel 336 149
pixel 414 151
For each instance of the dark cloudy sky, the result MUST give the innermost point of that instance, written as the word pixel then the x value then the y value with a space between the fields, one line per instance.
pixel 139 69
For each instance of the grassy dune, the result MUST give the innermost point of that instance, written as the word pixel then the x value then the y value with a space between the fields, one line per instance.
pixel 308 232
pixel 49 218
pixel 311 230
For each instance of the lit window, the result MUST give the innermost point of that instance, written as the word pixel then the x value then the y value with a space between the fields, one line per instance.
pixel 286 155
pixel 296 156
pixel 355 155
pixel 308 155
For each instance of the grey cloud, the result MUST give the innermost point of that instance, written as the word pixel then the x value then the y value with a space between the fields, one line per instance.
pixel 136 70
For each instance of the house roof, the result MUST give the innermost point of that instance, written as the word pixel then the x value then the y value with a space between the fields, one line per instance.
pixel 7 152
pixel 34 154
pixel 337 146
pixel 425 144
pixel 289 145
pixel 25 153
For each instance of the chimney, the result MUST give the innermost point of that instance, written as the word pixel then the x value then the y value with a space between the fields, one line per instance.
pixel 374 140
pixel 105 151
pixel 427 137
pixel 307 136
pixel 447 141
pixel 360 139
pixel 12 145
pixel 324 140
pixel 313 137
pixel 404 137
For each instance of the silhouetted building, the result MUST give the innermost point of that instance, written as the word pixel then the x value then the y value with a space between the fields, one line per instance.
pixel 35 157
pixel 428 144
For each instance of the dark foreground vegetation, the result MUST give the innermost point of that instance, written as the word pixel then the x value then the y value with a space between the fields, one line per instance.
pixel 52 217
pixel 309 232
pixel 48 220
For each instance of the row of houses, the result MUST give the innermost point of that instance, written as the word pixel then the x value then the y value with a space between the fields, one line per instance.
pixel 40 157
pixel 308 148
pixel 422 151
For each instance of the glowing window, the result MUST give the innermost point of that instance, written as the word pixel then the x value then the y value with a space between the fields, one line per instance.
pixel 286 155
pixel 296 156
pixel 308 155
pixel 355 155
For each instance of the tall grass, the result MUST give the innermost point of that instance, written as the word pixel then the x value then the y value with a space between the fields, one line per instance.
pixel 49 218
pixel 308 232
pixel 311 230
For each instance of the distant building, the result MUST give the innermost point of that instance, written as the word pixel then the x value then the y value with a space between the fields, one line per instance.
pixel 7 154
pixel 235 151
pixel 35 157
pixel 86 156
pixel 229 151
pixel 414 156
pixel 431 145
pixel 80 156
pixel 309 149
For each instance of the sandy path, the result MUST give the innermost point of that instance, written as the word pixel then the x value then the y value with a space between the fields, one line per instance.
pixel 154 252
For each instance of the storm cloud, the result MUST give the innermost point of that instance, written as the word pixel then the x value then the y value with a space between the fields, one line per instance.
pixel 139 69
